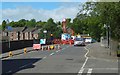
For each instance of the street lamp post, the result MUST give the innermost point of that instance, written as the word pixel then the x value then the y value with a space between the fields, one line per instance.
pixel 107 34
pixel 9 28
pixel 45 32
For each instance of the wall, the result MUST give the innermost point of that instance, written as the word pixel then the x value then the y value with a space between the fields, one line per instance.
pixel 14 45
pixel 113 46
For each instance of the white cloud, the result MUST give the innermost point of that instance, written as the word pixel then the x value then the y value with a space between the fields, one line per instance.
pixel 44 0
pixel 39 14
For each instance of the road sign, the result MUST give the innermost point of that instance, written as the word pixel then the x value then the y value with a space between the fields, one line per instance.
pixel 42 41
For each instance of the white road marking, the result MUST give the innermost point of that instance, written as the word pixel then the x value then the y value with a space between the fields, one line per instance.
pixel 90 70
pixel 67 46
pixel 52 54
pixel 63 48
pixel 84 63
pixel 81 70
pixel 57 51
pixel 44 57
pixel 85 59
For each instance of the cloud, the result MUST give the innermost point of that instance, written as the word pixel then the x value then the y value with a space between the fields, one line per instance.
pixel 39 14
pixel 44 0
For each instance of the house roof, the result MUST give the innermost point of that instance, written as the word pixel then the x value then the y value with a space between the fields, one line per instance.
pixel 28 29
pixel 15 29
pixel 36 31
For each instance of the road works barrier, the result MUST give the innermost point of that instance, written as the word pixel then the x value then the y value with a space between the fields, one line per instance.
pixel 47 47
pixel 36 46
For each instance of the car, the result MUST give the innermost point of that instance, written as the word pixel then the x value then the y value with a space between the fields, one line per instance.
pixel 79 42
pixel 88 40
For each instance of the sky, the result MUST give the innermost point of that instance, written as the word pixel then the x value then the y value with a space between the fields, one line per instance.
pixel 15 10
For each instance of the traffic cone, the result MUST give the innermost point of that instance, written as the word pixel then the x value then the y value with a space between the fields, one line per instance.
pixel 48 48
pixel 25 50
pixel 54 47
pixel 70 44
pixel 10 54
pixel 42 48
pixel 59 47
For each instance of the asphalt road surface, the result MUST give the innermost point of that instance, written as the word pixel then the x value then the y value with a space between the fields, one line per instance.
pixel 69 59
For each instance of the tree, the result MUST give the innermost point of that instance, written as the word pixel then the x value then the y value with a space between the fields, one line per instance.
pixel 50 25
pixel 31 23
pixel 96 14
pixel 4 24
pixel 40 24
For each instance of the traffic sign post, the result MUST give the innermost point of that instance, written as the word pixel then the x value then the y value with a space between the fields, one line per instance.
pixel 9 28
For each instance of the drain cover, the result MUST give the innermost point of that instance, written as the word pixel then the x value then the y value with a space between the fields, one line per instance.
pixel 69 59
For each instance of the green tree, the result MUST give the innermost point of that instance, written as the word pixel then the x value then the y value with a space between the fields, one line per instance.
pixel 50 25
pixel 31 23
pixel 4 24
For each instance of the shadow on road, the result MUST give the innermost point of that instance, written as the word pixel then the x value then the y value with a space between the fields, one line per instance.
pixel 12 66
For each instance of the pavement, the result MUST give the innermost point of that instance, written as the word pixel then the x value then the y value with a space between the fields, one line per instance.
pixel 100 60
pixel 16 52
pixel 19 51
pixel 98 51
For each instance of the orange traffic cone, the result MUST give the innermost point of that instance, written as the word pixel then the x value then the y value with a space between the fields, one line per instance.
pixel 70 43
pixel 59 47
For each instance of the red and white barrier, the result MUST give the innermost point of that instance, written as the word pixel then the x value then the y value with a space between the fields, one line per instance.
pixel 36 46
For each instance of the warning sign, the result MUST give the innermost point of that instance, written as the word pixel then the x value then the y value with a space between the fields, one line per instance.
pixel 42 41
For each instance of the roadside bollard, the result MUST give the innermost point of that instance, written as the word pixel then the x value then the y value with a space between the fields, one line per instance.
pixel 10 54
pixel 51 47
pixel 25 50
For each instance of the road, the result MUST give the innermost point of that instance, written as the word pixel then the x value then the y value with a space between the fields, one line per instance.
pixel 69 59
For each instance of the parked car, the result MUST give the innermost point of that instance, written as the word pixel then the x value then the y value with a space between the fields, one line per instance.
pixel 93 41
pixel 79 42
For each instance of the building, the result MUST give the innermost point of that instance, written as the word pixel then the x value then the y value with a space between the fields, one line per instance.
pixel 20 33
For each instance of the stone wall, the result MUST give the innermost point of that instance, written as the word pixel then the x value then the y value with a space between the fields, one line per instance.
pixel 113 46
